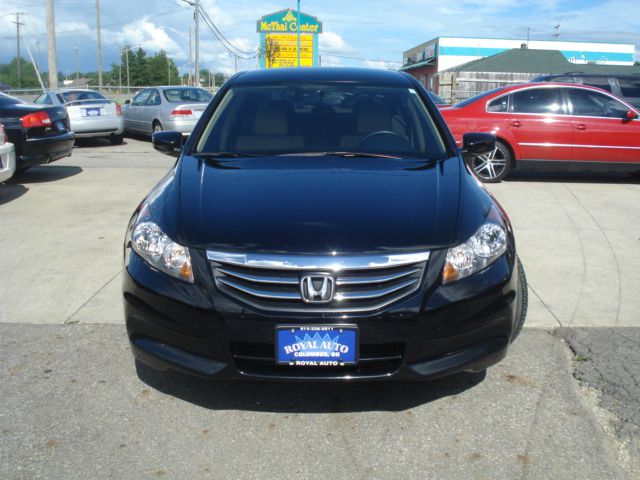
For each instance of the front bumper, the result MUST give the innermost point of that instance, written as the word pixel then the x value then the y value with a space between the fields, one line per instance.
pixel 174 326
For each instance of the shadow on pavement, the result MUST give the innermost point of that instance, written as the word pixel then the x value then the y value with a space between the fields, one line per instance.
pixel 9 192
pixel 96 142
pixel 45 173
pixel 304 397
pixel 574 177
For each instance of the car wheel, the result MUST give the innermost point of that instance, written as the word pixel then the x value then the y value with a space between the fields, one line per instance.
pixel 157 127
pixel 494 166
pixel 522 300
pixel 116 139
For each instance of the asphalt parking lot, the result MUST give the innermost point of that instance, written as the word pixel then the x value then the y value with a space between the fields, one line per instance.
pixel 563 404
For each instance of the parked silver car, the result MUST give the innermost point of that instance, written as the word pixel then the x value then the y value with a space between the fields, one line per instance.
pixel 165 108
pixel 91 114
pixel 7 157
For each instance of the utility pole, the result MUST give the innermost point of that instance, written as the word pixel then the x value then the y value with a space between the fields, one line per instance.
pixel 528 32
pixel 18 23
pixel 235 62
pixel 127 53
pixel 75 49
pixel 190 58
pixel 197 18
pixel 51 41
pixel 99 44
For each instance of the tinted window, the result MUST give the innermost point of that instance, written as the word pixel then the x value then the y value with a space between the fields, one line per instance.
pixel 630 87
pixel 154 98
pixel 43 99
pixel 537 100
pixel 73 95
pixel 320 118
pixel 594 104
pixel 475 98
pixel 498 104
pixel 600 82
pixel 7 100
pixel 141 98
pixel 181 95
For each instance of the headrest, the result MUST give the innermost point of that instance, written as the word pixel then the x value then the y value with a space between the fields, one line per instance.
pixel 270 120
pixel 373 117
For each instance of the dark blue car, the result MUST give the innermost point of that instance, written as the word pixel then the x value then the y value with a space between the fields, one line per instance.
pixel 321 224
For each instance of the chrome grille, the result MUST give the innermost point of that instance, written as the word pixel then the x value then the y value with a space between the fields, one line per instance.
pixel 362 282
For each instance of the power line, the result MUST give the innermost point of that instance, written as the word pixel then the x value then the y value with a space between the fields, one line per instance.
pixel 230 47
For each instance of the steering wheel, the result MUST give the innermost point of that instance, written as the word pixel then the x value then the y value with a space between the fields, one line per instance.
pixel 381 133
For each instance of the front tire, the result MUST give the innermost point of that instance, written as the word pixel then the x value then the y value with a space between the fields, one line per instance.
pixel 522 300
pixel 494 166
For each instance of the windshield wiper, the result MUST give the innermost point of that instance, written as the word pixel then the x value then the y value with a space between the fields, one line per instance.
pixel 225 155
pixel 338 154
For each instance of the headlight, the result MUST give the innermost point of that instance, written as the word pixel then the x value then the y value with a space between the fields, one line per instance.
pixel 481 250
pixel 157 249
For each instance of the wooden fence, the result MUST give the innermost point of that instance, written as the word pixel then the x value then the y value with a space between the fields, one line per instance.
pixel 457 86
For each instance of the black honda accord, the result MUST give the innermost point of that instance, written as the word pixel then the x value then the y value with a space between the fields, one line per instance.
pixel 321 224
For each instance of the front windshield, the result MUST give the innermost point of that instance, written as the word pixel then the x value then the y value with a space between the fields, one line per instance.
pixel 322 118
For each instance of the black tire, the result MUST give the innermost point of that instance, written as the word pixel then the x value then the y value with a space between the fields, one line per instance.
pixel 116 139
pixel 522 300
pixel 492 167
pixel 156 127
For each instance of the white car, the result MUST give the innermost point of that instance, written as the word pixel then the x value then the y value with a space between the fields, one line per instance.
pixel 90 113
pixel 7 157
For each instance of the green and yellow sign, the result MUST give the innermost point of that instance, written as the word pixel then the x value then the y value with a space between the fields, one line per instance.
pixel 279 39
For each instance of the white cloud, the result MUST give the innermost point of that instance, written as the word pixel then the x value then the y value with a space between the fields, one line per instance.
pixel 332 42
pixel 145 34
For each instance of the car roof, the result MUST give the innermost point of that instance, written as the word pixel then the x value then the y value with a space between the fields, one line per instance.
pixel 321 74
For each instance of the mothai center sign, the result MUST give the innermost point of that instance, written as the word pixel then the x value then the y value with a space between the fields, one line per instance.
pixel 281 28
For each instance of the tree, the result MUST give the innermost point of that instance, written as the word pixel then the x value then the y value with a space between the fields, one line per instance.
pixel 161 70
pixel 270 51
pixel 9 74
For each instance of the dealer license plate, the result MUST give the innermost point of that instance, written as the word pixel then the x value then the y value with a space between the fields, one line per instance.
pixel 317 345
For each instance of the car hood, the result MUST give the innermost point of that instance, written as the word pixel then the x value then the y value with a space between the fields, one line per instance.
pixel 317 205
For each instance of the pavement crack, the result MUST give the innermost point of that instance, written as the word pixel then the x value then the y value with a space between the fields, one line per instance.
pixel 545 305
pixel 68 320
pixel 584 258
pixel 615 257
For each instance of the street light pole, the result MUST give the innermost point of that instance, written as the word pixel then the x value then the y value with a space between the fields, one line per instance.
pixel 75 49
pixel 197 17
pixel 99 44
pixel 298 23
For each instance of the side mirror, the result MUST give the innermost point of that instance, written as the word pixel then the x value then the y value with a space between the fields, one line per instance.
pixel 127 102
pixel 168 142
pixel 478 143
pixel 631 115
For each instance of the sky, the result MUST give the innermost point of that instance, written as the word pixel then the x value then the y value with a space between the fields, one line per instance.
pixel 370 33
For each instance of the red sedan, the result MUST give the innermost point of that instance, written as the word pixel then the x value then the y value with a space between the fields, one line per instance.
pixel 549 125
